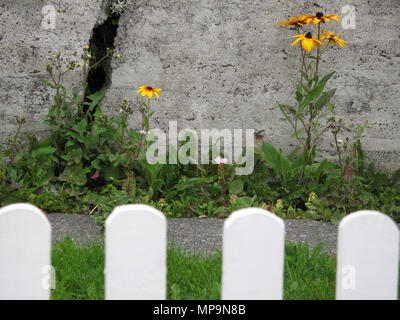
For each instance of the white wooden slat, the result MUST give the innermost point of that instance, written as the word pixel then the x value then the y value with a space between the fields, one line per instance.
pixel 135 249
pixel 253 255
pixel 25 249
pixel 368 257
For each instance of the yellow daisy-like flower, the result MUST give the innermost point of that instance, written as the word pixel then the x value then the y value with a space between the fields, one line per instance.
pixel 332 38
pixel 320 17
pixel 149 91
pixel 307 41
pixel 296 21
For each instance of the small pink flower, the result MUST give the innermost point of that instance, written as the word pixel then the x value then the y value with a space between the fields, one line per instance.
pixel 219 160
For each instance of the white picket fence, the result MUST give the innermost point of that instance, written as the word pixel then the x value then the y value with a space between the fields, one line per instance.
pixel 253 254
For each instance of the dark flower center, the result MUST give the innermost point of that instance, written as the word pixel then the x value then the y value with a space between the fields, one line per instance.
pixel 149 88
pixel 309 35
pixel 319 15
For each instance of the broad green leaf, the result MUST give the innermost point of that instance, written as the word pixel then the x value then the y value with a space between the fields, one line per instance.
pixel 236 186
pixel 321 167
pixel 270 155
pixel 95 97
pixel 324 99
pixel 74 156
pixel 316 91
pixel 80 126
pixel 113 172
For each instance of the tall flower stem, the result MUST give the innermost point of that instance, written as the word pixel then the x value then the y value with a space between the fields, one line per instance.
pixel 303 58
pixel 316 67
pixel 145 124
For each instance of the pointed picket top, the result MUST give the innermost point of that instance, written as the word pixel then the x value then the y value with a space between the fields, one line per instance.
pixel 135 249
pixel 253 255
pixel 25 249
pixel 368 257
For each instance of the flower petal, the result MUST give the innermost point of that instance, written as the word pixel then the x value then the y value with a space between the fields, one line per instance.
pixel 308 44
pixel 297 40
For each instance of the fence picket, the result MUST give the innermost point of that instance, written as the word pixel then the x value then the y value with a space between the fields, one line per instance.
pixel 253 255
pixel 368 257
pixel 25 249
pixel 135 246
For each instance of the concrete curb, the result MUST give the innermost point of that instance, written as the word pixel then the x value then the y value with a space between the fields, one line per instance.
pixel 192 234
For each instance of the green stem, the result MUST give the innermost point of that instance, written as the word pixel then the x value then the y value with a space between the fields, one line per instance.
pixel 316 67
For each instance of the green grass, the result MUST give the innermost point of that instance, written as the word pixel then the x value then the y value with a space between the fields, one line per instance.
pixel 79 273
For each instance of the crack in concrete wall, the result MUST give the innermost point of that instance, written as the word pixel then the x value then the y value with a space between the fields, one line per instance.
pixel 101 40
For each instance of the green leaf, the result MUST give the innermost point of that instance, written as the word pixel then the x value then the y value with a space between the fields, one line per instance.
pixel 74 156
pixel 80 126
pixel 113 172
pixel 96 163
pixel 270 155
pixel 316 91
pixel 244 202
pixel 43 152
pixel 91 141
pixel 299 96
pixel 277 161
pixel 95 97
pixel 49 84
pixel 13 174
pixel 76 97
pixel 236 186
pixel 324 99
pixel 76 175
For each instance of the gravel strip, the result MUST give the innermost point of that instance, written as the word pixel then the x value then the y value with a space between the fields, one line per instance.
pixel 192 234
pixel 203 235
pixel 79 227
pixel 195 235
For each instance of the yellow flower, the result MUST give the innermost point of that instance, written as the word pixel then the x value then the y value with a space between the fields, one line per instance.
pixel 307 41
pixel 296 21
pixel 332 38
pixel 312 196
pixel 125 99
pixel 118 56
pixel 264 206
pixel 279 204
pixel 149 91
pixel 87 47
pixel 320 17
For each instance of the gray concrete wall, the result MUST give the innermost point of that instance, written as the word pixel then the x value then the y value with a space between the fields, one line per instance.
pixel 24 47
pixel 221 64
